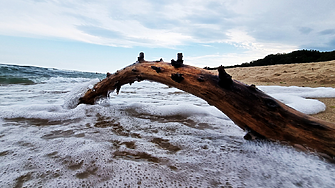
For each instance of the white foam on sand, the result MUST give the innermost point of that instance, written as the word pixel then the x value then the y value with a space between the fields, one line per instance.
pixel 300 98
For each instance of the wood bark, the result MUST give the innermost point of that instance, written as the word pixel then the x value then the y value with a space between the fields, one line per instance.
pixel 249 108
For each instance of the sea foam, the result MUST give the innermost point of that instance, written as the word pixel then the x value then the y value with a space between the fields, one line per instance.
pixel 299 98
pixel 149 135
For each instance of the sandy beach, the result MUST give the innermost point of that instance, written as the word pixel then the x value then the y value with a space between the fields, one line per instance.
pixel 318 74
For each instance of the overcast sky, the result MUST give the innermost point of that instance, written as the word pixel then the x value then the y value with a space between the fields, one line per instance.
pixel 106 35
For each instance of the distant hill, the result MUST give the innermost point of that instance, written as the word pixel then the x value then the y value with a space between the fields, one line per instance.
pixel 299 56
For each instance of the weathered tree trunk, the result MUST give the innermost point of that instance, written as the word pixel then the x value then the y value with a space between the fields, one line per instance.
pixel 247 106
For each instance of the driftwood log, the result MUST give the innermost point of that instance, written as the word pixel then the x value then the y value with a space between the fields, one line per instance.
pixel 251 109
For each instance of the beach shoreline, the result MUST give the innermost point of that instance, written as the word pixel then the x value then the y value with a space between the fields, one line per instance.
pixel 314 74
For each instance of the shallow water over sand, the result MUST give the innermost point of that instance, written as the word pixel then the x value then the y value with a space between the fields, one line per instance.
pixel 149 135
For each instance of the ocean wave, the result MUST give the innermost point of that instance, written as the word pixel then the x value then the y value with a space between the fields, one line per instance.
pixel 15 74
pixel 54 80
pixel 15 80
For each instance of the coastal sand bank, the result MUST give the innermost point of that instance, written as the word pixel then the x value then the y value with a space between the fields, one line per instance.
pixel 318 74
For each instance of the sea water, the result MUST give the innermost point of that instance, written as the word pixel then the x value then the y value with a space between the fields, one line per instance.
pixel 150 135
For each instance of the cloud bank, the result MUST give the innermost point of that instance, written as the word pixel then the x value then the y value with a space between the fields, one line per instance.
pixel 253 28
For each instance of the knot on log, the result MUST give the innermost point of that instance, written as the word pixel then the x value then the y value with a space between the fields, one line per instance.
pixel 140 57
pixel 139 78
pixel 177 77
pixel 157 69
pixel 179 62
pixel 272 104
pixel 200 79
pixel 225 79
pixel 160 60
pixel 253 87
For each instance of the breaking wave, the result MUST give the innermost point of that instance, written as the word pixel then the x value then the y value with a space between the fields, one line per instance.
pixel 27 75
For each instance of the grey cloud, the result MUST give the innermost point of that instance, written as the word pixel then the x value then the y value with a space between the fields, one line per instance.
pixel 39 1
pixel 84 19
pixel 285 23
pixel 208 35
pixel 209 21
pixel 100 32
pixel 329 46
pixel 305 30
pixel 110 34
pixel 208 24
pixel 198 23
pixel 214 13
pixel 160 23
pixel 327 32
pixel 150 18
pixel 208 18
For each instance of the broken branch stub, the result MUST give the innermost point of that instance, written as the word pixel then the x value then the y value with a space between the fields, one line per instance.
pixel 140 57
pixel 179 62
pixel 225 79
pixel 247 106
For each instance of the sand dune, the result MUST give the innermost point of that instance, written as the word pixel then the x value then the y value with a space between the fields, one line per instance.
pixel 319 74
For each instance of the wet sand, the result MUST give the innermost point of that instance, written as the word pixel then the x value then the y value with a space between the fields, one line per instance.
pixel 319 74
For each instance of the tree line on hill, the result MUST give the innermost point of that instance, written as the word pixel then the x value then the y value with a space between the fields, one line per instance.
pixel 299 56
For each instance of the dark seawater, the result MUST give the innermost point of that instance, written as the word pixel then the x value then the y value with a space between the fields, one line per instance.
pixel 15 74
pixel 149 135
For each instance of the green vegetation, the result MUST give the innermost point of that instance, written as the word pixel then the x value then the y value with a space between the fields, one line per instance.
pixel 299 56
